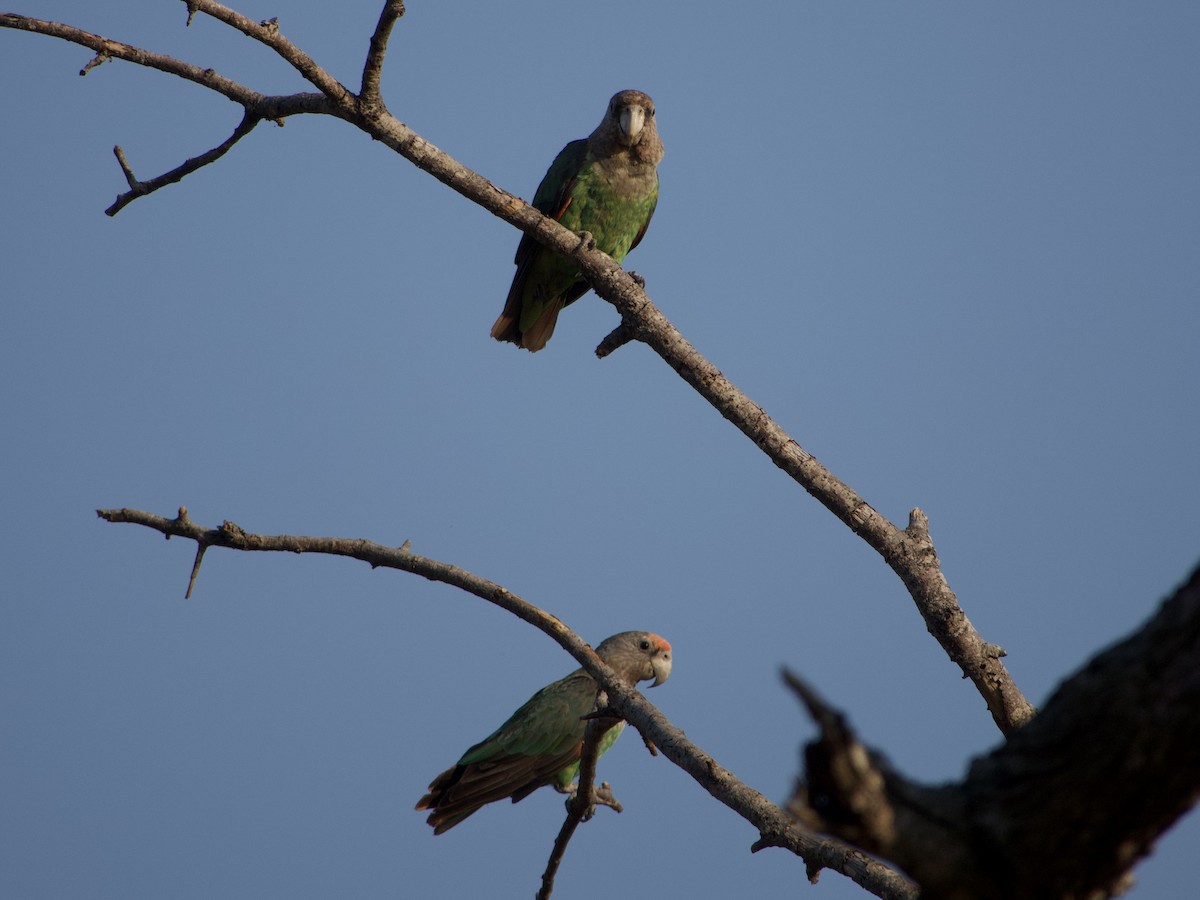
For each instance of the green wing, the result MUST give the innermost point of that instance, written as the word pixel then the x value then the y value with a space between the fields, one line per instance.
pixel 536 746
pixel 532 294
pixel 553 195
pixel 547 724
pixel 653 205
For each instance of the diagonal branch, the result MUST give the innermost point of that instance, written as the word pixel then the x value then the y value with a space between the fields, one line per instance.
pixel 909 552
pixel 774 825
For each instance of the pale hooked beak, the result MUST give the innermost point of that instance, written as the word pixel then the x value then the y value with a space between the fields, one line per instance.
pixel 631 120
pixel 661 664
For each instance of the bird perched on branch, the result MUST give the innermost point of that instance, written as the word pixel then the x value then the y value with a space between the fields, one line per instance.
pixel 606 185
pixel 542 741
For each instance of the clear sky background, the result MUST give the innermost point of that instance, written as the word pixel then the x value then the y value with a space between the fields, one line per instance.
pixel 953 248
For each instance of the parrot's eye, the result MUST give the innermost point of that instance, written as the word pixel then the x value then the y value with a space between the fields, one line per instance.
pixel 644 644
pixel 650 112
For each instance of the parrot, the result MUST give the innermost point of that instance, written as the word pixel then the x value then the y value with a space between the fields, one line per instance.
pixel 605 184
pixel 541 742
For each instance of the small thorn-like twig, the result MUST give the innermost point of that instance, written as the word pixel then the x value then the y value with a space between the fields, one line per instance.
pixel 649 745
pixel 623 333
pixel 98 60
pixel 616 339
pixel 135 186
pixel 182 521
pixel 200 548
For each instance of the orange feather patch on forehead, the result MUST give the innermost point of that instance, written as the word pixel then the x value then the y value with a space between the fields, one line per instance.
pixel 660 642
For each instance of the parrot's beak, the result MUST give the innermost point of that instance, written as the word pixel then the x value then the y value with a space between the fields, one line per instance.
pixel 661 664
pixel 631 120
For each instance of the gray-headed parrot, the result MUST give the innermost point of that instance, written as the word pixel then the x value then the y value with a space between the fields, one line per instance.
pixel 605 184
pixel 541 742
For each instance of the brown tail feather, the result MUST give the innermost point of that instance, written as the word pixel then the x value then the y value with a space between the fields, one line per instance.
pixel 507 326
pixel 536 337
pixel 460 791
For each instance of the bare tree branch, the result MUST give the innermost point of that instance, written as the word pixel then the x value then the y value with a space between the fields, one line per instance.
pixel 1064 808
pixel 909 552
pixel 776 829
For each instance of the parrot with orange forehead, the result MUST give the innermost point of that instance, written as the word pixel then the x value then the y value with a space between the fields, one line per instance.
pixel 541 742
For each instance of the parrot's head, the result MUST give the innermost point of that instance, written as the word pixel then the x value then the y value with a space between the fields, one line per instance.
pixel 633 114
pixel 638 656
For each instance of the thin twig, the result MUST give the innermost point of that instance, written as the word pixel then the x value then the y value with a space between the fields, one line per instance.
pixel 268 33
pixel 142 188
pixel 581 803
pixel 200 548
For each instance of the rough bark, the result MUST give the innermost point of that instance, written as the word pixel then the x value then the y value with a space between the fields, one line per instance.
pixel 1064 808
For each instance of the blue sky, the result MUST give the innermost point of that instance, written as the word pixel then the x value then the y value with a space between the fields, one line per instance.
pixel 953 248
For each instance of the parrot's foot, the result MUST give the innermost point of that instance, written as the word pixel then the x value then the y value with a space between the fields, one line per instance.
pixel 641 282
pixel 586 240
pixel 602 795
